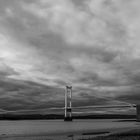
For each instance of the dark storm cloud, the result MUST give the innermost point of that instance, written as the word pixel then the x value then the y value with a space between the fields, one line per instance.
pixel 16 95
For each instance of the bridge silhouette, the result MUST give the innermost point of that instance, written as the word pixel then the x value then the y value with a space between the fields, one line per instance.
pixel 68 106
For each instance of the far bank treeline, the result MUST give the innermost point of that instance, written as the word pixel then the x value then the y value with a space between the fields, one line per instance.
pixel 55 116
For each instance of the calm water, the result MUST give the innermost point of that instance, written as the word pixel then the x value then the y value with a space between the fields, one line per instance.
pixel 59 127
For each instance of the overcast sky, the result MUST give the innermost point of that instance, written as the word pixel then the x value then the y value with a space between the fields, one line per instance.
pixel 93 45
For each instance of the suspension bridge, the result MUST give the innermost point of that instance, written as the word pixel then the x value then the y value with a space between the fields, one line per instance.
pixel 68 105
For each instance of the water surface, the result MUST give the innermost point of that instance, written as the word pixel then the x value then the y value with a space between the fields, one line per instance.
pixel 59 127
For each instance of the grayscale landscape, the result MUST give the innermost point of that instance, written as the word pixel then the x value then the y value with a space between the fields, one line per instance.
pixel 69 69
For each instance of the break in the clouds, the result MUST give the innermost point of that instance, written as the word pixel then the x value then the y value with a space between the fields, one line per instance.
pixel 91 44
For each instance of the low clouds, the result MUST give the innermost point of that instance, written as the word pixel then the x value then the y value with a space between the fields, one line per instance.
pixel 46 44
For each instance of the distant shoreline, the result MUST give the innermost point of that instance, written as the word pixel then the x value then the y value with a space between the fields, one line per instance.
pixel 56 116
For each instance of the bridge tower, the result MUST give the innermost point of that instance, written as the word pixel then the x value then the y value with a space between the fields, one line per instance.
pixel 138 112
pixel 68 104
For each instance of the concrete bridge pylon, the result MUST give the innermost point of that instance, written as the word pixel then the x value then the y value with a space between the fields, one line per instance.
pixel 68 103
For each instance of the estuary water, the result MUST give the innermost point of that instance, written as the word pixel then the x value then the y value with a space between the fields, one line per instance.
pixel 60 128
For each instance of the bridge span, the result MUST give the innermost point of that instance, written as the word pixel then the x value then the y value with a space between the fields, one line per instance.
pixel 68 106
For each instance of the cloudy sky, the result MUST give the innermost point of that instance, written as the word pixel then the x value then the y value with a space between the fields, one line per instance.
pixel 93 45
